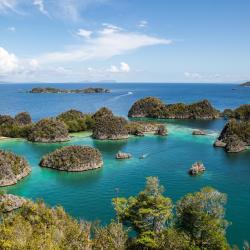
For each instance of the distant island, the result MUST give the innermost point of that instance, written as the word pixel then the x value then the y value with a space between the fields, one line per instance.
pixel 152 107
pixel 50 90
pixel 245 84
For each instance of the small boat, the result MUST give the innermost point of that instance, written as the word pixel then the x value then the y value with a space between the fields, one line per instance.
pixel 143 156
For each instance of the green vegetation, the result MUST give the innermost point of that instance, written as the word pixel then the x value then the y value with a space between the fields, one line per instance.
pixel 48 130
pixel 51 90
pixel 76 121
pixel 108 126
pixel 195 222
pixel 12 168
pixel 17 127
pixel 73 158
pixel 152 107
pixel 240 113
pixel 198 222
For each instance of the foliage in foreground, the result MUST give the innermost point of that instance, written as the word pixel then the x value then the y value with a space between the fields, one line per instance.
pixel 195 222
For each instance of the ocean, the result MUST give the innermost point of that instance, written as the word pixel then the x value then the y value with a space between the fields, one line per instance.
pixel 88 195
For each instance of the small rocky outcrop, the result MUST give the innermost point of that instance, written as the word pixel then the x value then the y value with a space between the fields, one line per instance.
pixel 48 131
pixel 50 90
pixel 109 127
pixel 10 202
pixel 199 132
pixel 197 169
pixel 123 156
pixel 152 107
pixel 12 168
pixel 139 128
pixel 161 130
pixel 73 159
pixel 235 136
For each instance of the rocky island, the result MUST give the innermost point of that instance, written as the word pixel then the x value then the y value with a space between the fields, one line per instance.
pixel 240 113
pixel 73 159
pixel 48 131
pixel 245 84
pixel 152 107
pixel 50 90
pixel 17 126
pixel 12 168
pixel 197 169
pixel 108 126
pixel 76 121
pixel 235 136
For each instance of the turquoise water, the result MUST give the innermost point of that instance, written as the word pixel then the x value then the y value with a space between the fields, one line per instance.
pixel 88 195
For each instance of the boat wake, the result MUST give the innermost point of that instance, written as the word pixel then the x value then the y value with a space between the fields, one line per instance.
pixel 120 96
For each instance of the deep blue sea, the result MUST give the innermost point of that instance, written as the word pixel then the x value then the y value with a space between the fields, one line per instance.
pixel 88 195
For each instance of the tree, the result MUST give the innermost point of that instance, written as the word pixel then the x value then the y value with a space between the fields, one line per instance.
pixel 201 216
pixel 147 213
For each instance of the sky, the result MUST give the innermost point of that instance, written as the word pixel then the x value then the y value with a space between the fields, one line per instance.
pixel 170 41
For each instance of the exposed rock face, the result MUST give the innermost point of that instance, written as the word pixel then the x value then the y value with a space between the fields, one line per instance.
pixel 240 113
pixel 12 168
pixel 235 136
pixel 109 127
pixel 76 121
pixel 49 130
pixel 161 130
pixel 152 107
pixel 197 169
pixel 10 202
pixel 73 159
pixel 139 128
pixel 68 91
pixel 122 156
pixel 199 132
pixel 23 118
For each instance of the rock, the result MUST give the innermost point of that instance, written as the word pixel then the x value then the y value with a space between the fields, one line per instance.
pixel 10 202
pixel 50 90
pixel 151 107
pixel 219 143
pixel 12 168
pixel 139 133
pixel 235 136
pixel 196 169
pixel 240 113
pixel 199 132
pixel 109 127
pixel 161 130
pixel 235 145
pixel 48 131
pixel 73 159
pixel 121 156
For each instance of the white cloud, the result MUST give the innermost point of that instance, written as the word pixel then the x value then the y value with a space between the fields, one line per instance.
pixel 123 68
pixel 7 5
pixel 40 5
pixel 8 62
pixel 12 29
pixel 193 75
pixel 108 42
pixel 84 33
pixel 142 24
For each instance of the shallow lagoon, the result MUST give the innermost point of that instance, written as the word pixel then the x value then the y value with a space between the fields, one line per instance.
pixel 88 195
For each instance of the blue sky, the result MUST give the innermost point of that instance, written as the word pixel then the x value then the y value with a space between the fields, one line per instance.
pixel 125 40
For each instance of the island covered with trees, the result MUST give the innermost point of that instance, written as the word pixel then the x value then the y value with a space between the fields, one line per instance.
pixel 152 107
pixel 50 90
